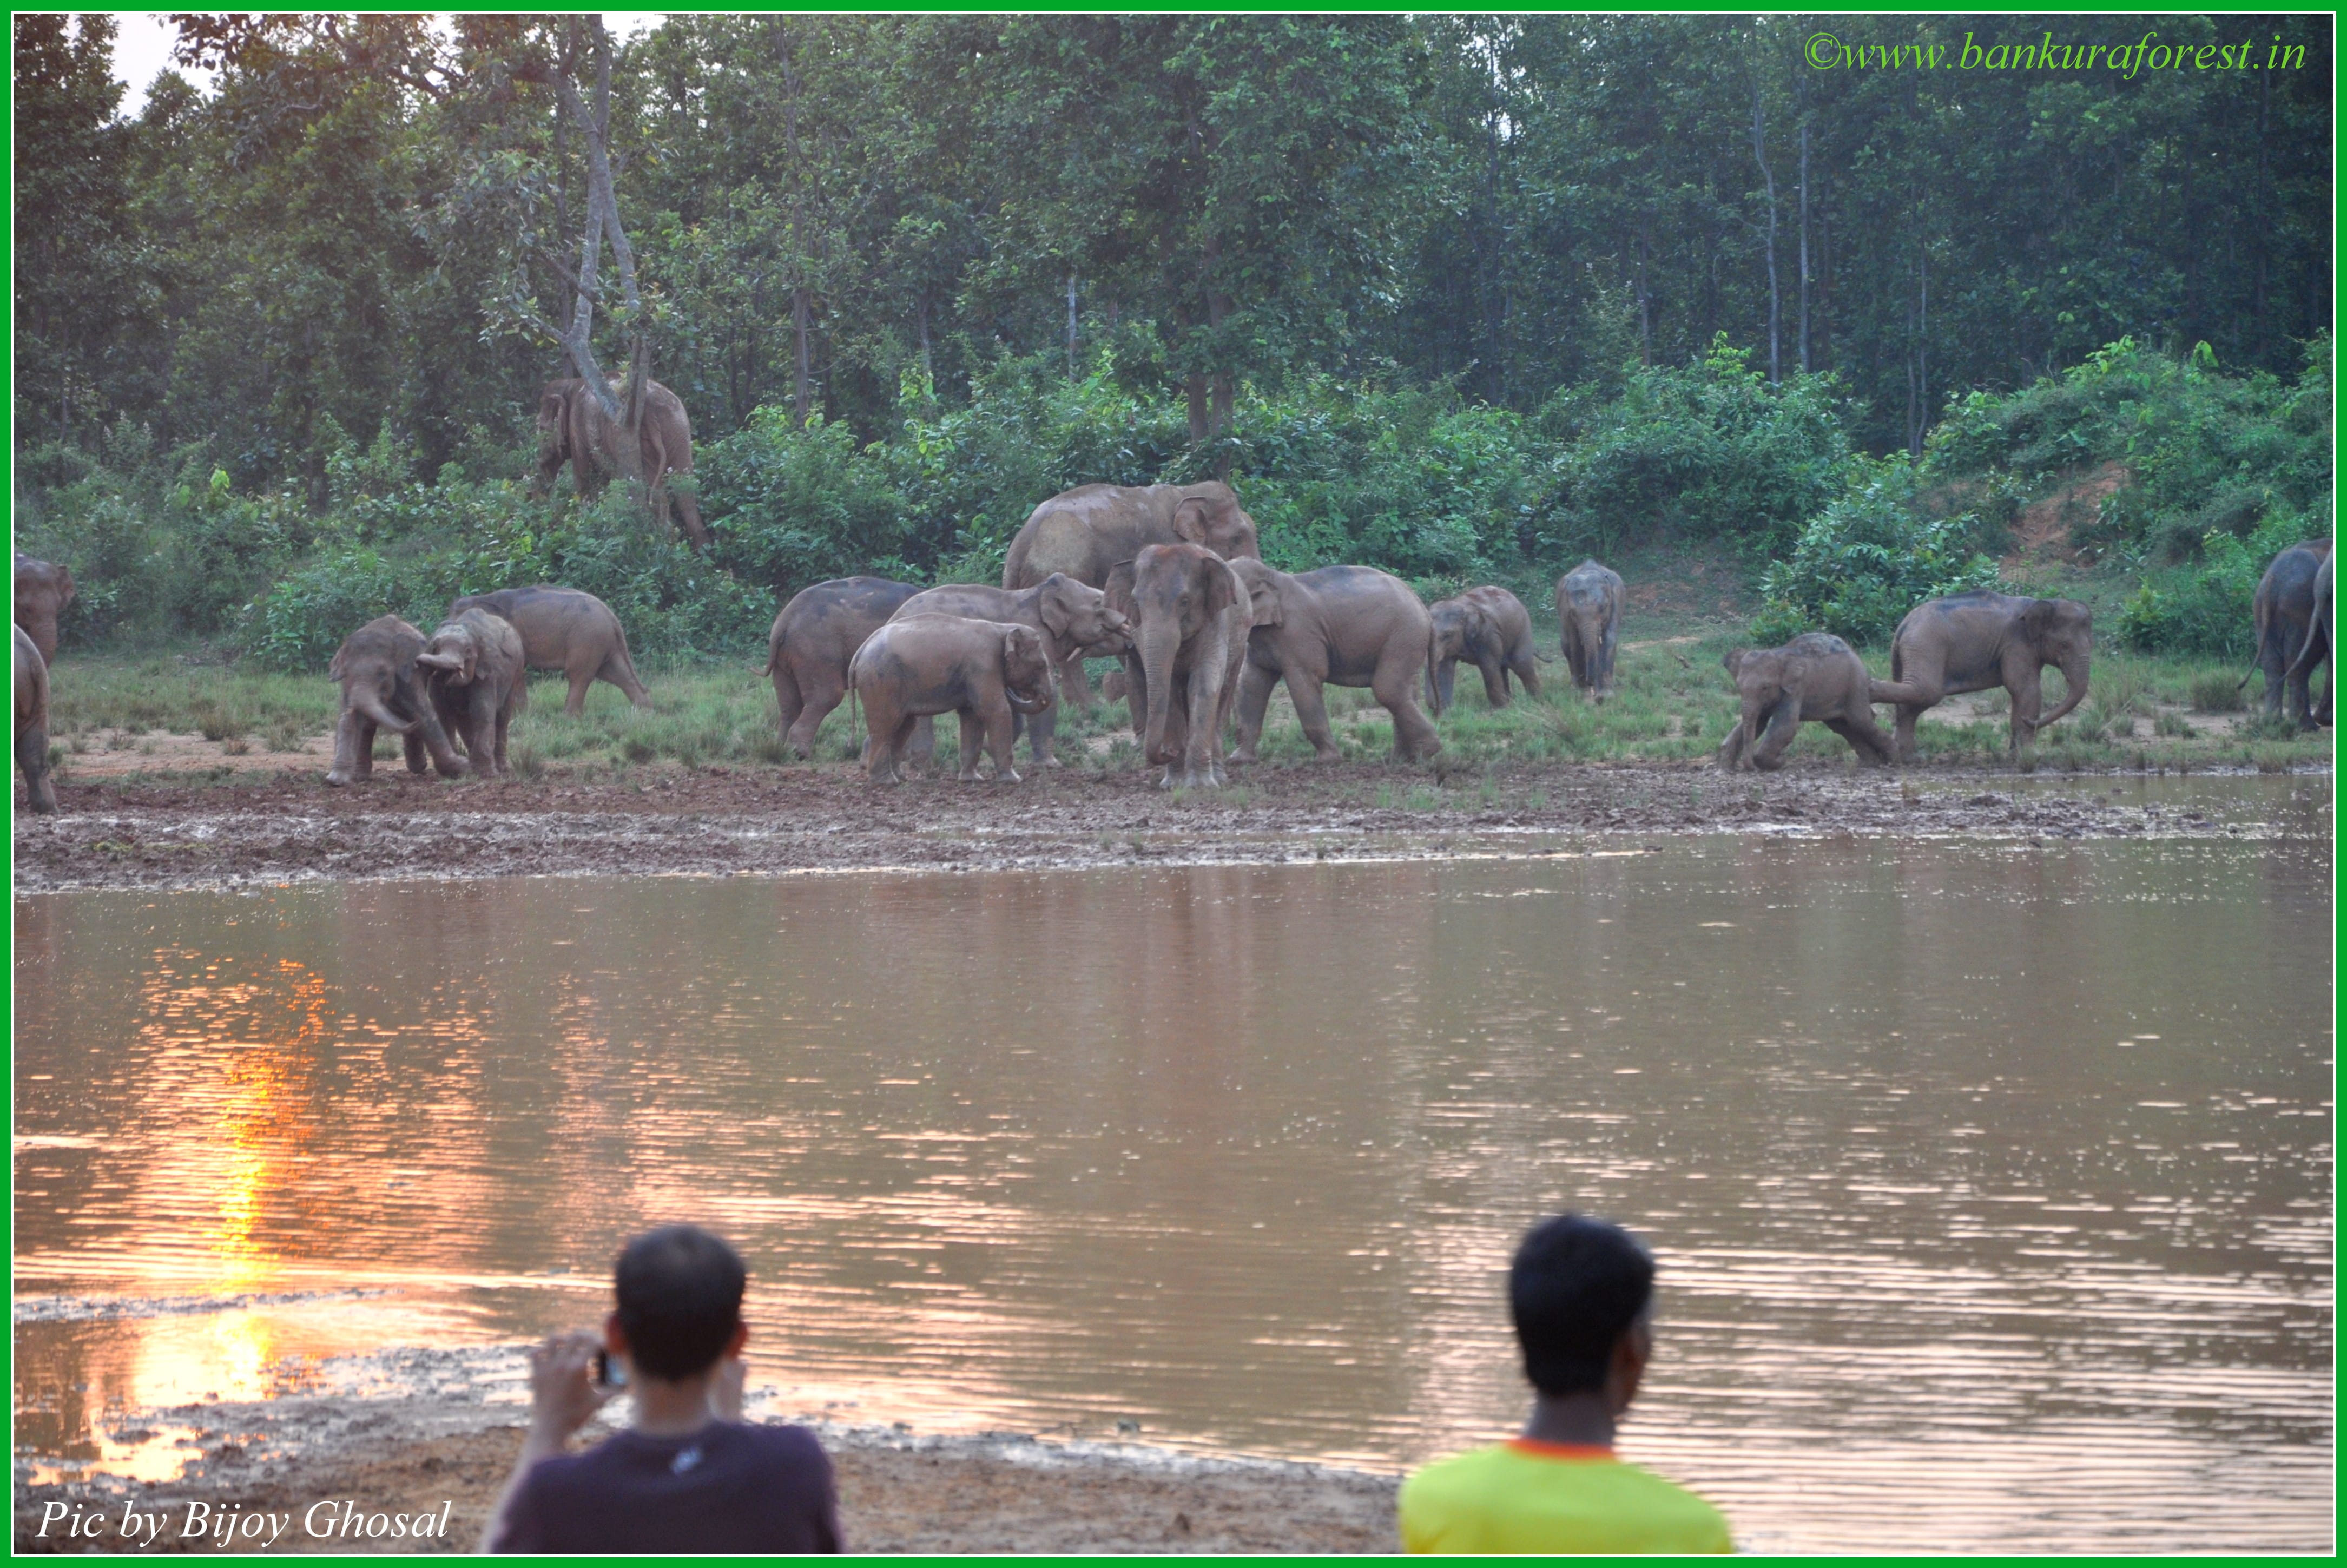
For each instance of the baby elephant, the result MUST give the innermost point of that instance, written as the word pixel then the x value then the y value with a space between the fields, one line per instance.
pixel 1815 676
pixel 383 688
pixel 478 684
pixel 926 664
pixel 1489 628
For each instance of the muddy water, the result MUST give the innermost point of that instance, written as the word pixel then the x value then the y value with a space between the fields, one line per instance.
pixel 1990 1181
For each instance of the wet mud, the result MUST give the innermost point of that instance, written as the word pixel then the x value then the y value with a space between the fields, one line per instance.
pixel 721 820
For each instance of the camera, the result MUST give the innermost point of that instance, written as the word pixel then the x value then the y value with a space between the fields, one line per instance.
pixel 609 1373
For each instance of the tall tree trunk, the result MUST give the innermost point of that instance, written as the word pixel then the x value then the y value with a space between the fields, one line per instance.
pixel 928 368
pixel 1805 246
pixel 1760 156
pixel 803 395
pixel 1645 308
pixel 1071 327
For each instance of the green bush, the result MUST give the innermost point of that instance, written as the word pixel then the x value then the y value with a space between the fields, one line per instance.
pixel 1868 559
pixel 2207 607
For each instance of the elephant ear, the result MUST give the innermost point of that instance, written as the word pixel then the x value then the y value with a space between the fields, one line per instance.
pixel 1118 590
pixel 2037 621
pixel 1190 520
pixel 1021 643
pixel 1223 588
pixel 551 406
pixel 1795 674
pixel 1051 605
pixel 334 668
pixel 1734 658
pixel 472 657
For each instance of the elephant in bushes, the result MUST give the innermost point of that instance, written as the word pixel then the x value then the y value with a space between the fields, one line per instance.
pixel 1189 612
pixel 1489 628
pixel 985 671
pixel 1814 677
pixel 478 684
pixel 1971 641
pixel 809 647
pixel 565 629
pixel 1589 613
pixel 573 428
pixel 1089 532
pixel 1348 625
pixel 32 733
pixel 2284 608
pixel 383 688
pixel 2317 649
pixel 43 590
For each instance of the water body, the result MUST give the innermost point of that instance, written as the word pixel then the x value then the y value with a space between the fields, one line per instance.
pixel 1990 1181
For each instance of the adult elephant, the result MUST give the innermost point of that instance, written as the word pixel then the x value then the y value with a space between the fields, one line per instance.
pixel 32 734
pixel 1346 625
pixel 383 688
pixel 1089 532
pixel 573 428
pixel 810 645
pixel 1189 613
pixel 1814 677
pixel 924 665
pixel 1971 641
pixel 2318 646
pixel 1069 616
pixel 1489 628
pixel 2284 609
pixel 478 684
pixel 44 589
pixel 565 629
pixel 1589 614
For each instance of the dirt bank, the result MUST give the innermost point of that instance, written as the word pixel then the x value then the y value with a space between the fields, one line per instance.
pixel 287 827
pixel 898 1492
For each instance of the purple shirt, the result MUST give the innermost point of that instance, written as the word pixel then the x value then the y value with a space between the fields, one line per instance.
pixel 729 1487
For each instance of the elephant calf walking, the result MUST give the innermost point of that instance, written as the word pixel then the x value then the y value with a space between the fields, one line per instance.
pixel 1814 677
pixel 931 664
pixel 1489 628
pixel 1589 615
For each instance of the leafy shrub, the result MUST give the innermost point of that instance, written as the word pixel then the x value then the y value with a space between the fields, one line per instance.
pixel 2207 607
pixel 1869 558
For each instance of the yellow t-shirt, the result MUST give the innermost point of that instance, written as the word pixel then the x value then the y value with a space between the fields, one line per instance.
pixel 1533 1497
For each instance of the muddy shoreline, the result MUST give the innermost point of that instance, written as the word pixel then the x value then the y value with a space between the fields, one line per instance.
pixel 899 1491
pixel 160 833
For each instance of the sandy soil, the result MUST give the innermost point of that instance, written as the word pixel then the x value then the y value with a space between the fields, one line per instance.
pixel 286 826
pixel 898 1492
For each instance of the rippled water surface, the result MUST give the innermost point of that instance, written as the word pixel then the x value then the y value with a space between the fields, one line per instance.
pixel 1990 1182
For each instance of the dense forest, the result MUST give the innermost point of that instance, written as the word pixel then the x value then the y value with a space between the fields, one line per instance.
pixel 1457 295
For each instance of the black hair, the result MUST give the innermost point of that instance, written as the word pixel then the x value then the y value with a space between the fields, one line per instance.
pixel 680 1291
pixel 1576 1288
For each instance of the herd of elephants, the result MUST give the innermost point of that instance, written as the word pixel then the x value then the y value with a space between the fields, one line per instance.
pixel 1170 580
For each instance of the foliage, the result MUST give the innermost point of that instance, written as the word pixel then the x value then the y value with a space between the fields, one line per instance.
pixel 2206 607
pixel 1868 559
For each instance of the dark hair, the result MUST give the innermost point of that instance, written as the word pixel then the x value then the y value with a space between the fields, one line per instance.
pixel 680 1291
pixel 1576 1286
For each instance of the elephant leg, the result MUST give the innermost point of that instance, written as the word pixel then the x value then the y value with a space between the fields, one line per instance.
pixel 2028 701
pixel 1607 647
pixel 922 747
pixel 580 676
pixel 820 693
pixel 1414 735
pixel 411 745
pixel 1200 753
pixel 997 728
pixel 1576 659
pixel 1526 669
pixel 33 761
pixel 787 704
pixel 503 721
pixel 1731 748
pixel 353 749
pixel 1865 738
pixel 1255 697
pixel 1495 680
pixel 2297 684
pixel 1312 712
pixel 1041 725
pixel 1784 723
pixel 1136 696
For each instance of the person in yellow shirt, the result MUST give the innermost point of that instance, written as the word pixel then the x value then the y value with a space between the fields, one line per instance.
pixel 1581 1292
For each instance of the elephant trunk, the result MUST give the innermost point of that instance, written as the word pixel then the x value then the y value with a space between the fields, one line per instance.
pixel 2075 671
pixel 368 703
pixel 348 750
pixel 445 760
pixel 1159 643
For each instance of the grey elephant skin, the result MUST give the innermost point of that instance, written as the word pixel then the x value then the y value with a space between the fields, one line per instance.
pixel 573 428
pixel 1589 616
pixel 1489 628
pixel 2284 610
pixel 1815 678
pixel 568 629
pixel 43 590
pixel 810 645
pixel 984 671
pixel 2317 649
pixel 32 673
pixel 1070 616
pixel 478 684
pixel 383 688
pixel 1971 641
pixel 1089 532
pixel 1342 625
pixel 1190 613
